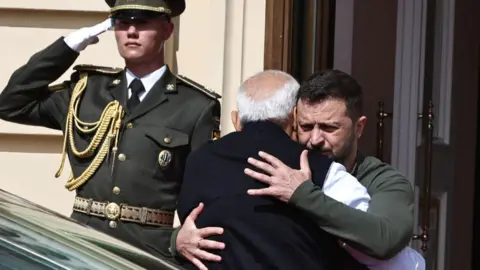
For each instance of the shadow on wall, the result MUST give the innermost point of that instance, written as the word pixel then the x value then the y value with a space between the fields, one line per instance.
pixel 49 19
pixel 35 144
pixel 172 45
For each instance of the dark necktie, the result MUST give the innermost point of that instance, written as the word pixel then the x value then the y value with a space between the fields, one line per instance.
pixel 137 88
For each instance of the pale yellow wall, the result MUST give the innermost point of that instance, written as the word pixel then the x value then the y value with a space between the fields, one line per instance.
pixel 218 43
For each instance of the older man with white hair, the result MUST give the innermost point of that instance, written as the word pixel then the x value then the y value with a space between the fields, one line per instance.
pixel 261 232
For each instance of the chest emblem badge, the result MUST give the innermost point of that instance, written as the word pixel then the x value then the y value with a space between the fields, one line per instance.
pixel 164 158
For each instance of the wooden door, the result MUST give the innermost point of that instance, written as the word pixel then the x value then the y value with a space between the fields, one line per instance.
pixel 278 28
pixel 432 129
pixel 299 36
pixel 373 45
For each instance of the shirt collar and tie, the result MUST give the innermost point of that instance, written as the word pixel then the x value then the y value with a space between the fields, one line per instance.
pixel 147 81
pixel 138 88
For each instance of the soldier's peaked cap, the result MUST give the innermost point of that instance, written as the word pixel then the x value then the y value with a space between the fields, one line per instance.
pixel 138 9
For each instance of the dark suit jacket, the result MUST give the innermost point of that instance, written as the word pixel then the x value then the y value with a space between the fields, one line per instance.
pixel 260 232
pixel 176 116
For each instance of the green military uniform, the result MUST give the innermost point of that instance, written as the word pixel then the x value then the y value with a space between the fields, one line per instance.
pixel 381 232
pixel 127 166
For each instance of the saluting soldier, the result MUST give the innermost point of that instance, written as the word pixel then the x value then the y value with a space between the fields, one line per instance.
pixel 127 132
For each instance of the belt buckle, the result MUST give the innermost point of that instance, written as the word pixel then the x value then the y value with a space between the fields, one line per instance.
pixel 112 211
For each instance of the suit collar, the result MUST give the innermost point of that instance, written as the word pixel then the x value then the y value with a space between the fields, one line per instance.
pixel 264 127
pixel 256 134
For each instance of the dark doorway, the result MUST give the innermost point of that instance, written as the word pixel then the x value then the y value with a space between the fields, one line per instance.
pixel 299 36
pixel 476 196
pixel 313 37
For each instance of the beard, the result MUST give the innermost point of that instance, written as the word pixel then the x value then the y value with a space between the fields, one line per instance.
pixel 341 154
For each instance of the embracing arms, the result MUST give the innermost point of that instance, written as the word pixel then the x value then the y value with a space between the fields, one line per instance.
pixel 381 232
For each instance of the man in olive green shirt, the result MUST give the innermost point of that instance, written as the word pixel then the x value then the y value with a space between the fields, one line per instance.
pixel 329 119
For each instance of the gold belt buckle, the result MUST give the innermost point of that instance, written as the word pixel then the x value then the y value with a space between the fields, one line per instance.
pixel 112 211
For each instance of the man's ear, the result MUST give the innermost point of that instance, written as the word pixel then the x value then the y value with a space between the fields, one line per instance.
pixel 236 121
pixel 167 30
pixel 294 136
pixel 295 118
pixel 359 126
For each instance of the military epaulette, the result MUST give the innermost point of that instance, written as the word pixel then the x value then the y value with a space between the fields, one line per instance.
pixel 98 69
pixel 210 93
pixel 58 86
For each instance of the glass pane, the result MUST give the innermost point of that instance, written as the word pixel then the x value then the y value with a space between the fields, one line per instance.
pixel 15 258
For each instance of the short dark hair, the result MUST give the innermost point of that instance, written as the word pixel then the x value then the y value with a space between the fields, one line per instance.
pixel 333 84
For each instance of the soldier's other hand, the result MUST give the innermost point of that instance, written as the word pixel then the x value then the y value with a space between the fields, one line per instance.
pixel 80 39
pixel 191 240
pixel 282 180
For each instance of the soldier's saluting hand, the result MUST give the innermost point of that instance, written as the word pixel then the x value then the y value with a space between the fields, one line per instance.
pixel 83 37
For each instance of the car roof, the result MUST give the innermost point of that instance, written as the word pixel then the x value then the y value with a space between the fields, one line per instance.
pixel 67 242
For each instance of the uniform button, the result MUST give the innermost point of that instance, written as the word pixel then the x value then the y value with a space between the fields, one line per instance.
pixel 112 224
pixel 129 125
pixel 122 157
pixel 116 190
pixel 167 139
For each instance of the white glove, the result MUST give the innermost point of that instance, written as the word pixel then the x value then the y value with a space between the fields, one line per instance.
pixel 83 37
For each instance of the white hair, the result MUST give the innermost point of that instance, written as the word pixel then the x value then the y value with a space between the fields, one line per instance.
pixel 277 107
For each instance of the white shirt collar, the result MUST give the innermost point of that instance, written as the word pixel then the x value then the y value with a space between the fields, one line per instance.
pixel 148 80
